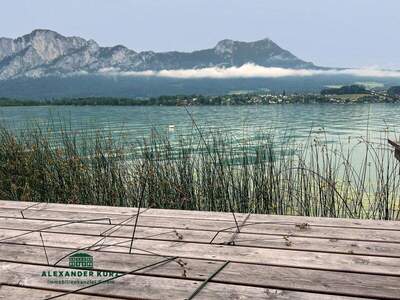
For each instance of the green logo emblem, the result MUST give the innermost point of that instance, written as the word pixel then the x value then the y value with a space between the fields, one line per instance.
pixel 81 260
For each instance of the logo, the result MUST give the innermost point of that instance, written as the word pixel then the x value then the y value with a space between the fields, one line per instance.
pixel 81 260
pixel 80 272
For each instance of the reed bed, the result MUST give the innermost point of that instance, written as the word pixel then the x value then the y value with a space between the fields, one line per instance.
pixel 203 171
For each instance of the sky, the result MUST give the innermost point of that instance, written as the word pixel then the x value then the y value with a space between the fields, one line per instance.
pixel 334 33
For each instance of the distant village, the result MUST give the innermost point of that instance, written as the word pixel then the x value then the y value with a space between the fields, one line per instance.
pixel 339 95
pixel 344 94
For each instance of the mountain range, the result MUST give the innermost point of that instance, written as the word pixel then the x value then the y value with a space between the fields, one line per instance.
pixel 44 53
pixel 45 64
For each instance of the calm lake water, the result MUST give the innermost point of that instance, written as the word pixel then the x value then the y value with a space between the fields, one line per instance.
pixel 332 120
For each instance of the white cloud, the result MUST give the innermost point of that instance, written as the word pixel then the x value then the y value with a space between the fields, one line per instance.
pixel 250 71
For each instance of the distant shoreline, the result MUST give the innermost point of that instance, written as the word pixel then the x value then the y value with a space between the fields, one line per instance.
pixel 199 100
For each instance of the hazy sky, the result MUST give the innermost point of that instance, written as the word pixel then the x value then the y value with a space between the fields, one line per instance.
pixel 350 33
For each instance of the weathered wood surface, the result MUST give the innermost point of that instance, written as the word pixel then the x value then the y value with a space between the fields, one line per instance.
pixel 278 241
pixel 199 269
pixel 175 252
pixel 16 206
pixel 12 292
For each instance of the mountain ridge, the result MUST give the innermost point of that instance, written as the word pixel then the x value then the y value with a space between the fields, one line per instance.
pixel 45 52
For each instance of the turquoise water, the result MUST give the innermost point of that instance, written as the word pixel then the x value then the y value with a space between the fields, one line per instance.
pixel 331 121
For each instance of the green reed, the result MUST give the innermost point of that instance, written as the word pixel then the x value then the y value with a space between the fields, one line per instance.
pixel 201 171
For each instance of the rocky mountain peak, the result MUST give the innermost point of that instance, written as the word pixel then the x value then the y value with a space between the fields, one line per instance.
pixel 45 52
pixel 225 47
pixel 48 44
pixel 40 32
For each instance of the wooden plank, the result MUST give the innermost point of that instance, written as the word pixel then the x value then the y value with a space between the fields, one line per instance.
pixel 79 208
pixel 103 218
pixel 294 229
pixel 276 257
pixel 125 211
pixel 108 210
pixel 312 244
pixel 300 230
pixel 351 284
pixel 242 239
pixel 201 215
pixel 108 230
pixel 17 292
pixel 129 286
pixel 62 216
pixel 121 262
pixel 149 287
pixel 313 221
pixel 244 292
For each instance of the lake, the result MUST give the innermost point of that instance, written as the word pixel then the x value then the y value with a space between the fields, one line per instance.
pixel 331 121
pixel 344 127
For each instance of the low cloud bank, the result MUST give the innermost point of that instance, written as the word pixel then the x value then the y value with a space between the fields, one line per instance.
pixel 250 71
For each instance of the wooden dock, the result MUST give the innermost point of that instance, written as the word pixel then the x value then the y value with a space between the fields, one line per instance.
pixel 51 251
